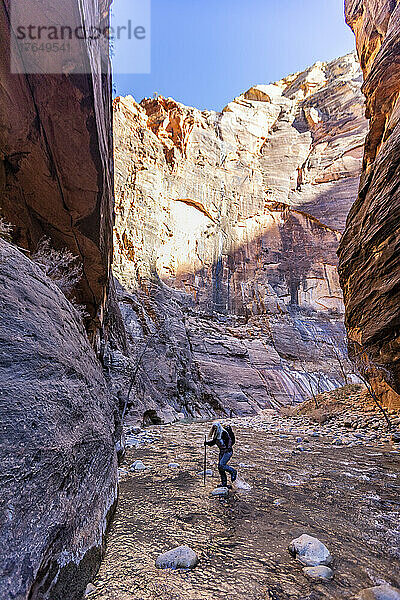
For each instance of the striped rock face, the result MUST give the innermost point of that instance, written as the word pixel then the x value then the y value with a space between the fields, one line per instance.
pixel 240 214
pixel 369 249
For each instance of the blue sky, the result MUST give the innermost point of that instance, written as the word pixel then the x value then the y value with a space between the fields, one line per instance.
pixel 206 52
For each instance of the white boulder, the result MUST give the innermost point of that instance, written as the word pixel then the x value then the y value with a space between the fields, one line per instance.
pixel 181 557
pixel 220 491
pixel 137 466
pixel 310 551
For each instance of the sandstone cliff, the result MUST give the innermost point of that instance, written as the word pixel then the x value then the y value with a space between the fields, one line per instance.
pixel 237 217
pixel 59 422
pixel 56 158
pixel 370 247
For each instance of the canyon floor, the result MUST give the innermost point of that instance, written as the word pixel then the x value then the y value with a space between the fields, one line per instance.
pixel 338 484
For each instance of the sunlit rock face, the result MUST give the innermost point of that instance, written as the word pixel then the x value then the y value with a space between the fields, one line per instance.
pixel 242 212
pixel 56 175
pixel 369 251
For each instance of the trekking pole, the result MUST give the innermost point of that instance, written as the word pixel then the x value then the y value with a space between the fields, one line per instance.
pixel 205 460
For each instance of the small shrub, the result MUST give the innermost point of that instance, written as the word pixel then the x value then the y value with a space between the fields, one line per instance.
pixel 320 416
pixel 80 310
pixel 5 230
pixel 288 411
pixel 59 265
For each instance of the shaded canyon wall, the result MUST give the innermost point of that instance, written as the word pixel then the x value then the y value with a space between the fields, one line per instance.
pixel 370 248
pixel 58 459
pixel 56 171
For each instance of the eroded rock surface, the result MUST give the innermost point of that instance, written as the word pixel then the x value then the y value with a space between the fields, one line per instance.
pixel 58 443
pixel 233 219
pixel 57 447
pixel 56 175
pixel 370 247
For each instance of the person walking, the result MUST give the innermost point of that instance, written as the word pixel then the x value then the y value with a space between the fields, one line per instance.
pixel 224 439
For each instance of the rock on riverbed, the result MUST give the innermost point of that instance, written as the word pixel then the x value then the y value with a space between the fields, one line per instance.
pixel 310 551
pixel 320 573
pixel 380 592
pixel 220 491
pixel 181 557
pixel 138 465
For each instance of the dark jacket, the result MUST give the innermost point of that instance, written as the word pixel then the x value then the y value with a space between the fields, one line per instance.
pixel 224 444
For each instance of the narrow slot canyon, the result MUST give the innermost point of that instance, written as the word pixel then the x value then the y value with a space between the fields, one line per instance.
pixel 178 280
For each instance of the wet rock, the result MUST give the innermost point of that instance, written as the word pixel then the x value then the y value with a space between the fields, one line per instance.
pixel 90 589
pixel 300 449
pixel 220 491
pixel 137 466
pixel 279 501
pixel 396 437
pixel 209 473
pixel 337 442
pixel 319 573
pixel 380 592
pixel 134 430
pixel 310 551
pixel 181 557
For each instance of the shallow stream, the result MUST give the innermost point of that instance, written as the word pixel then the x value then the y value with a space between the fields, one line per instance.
pixel 348 497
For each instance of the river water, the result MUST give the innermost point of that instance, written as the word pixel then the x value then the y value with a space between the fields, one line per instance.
pixel 348 497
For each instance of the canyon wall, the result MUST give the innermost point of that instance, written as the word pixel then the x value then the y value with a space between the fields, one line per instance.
pixel 370 248
pixel 60 425
pixel 58 460
pixel 235 219
pixel 56 171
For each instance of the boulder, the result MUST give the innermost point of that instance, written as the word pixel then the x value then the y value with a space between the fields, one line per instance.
pixel 380 592
pixel 319 573
pixel 90 588
pixel 181 557
pixel 220 491
pixel 310 551
pixel 137 466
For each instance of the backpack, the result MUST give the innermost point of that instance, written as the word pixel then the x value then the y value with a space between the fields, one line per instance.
pixel 229 430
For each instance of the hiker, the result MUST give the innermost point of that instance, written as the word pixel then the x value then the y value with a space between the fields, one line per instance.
pixel 224 438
